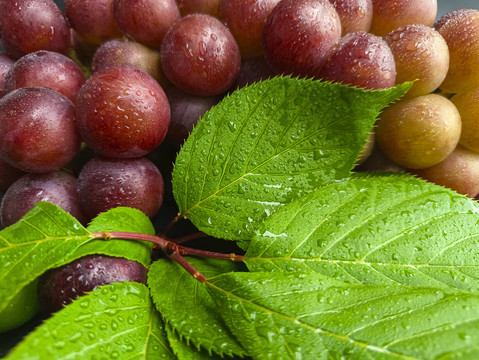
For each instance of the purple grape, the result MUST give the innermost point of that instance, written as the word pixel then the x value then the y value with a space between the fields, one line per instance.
pixel 37 129
pixel 122 112
pixel 59 287
pixel 106 183
pixel 46 68
pixel 8 174
pixel 59 188
pixel 6 63
pixel 253 69
pixel 200 56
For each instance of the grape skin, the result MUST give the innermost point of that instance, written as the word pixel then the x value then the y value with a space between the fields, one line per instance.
pixel 59 188
pixel 355 15
pixel 299 35
pixel 37 129
pixel 106 183
pixel 200 55
pixel 122 112
pixel 467 103
pixel 419 132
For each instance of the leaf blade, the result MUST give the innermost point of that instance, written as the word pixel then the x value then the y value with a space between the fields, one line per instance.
pixel 310 315
pixel 258 138
pixel 375 229
pixel 118 320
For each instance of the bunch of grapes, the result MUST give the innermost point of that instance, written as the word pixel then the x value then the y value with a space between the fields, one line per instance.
pixel 97 99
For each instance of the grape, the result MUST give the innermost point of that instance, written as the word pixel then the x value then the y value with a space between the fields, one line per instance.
pixel 460 29
pixel 421 54
pixel 419 132
pixel 122 112
pixel 8 174
pixel 121 52
pixel 200 56
pixel 106 183
pixel 210 7
pixel 37 129
pixel 46 68
pixel 253 69
pixel 6 63
pixel 30 25
pixel 467 102
pixel 245 19
pixel 146 21
pixel 186 109
pixel 299 35
pixel 92 20
pixel 388 15
pixel 459 172
pixel 378 161
pixel 59 188
pixel 355 15
pixel 363 60
pixel 58 287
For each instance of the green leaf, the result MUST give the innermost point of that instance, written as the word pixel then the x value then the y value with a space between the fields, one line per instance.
pixel 184 351
pixel 311 316
pixel 44 238
pixel 117 321
pixel 268 143
pixel 186 305
pixel 377 230
pixel 120 219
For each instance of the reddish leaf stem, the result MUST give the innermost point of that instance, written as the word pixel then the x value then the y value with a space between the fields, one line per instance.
pixel 190 237
pixel 170 249
pixel 171 224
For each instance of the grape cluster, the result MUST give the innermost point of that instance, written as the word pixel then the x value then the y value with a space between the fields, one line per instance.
pixel 97 99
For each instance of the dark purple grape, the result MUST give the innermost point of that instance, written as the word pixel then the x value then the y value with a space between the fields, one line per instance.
pixel 253 69
pixel 123 52
pixel 8 174
pixel 59 188
pixel 363 60
pixel 92 20
pixel 106 183
pixel 37 129
pixel 299 35
pixel 30 25
pixel 6 63
pixel 60 286
pixel 146 21
pixel 46 68
pixel 186 110
pixel 391 14
pixel 122 112
pixel 210 7
pixel 245 19
pixel 200 56
pixel 355 15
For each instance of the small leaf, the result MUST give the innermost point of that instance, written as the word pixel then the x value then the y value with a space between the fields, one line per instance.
pixel 267 144
pixel 116 321
pixel 120 219
pixel 311 316
pixel 183 351
pixel 44 238
pixel 187 307
pixel 377 230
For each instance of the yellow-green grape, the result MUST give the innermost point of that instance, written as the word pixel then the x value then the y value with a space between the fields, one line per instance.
pixel 421 54
pixel 419 132
pixel 460 29
pixel 467 102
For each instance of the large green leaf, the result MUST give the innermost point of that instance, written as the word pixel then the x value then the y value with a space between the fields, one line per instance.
pixel 267 144
pixel 378 230
pixel 186 305
pixel 44 238
pixel 117 321
pixel 289 315
pixel 120 219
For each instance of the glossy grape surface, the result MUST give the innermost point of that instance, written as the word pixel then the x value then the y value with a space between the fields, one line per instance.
pixel 122 112
pixel 355 15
